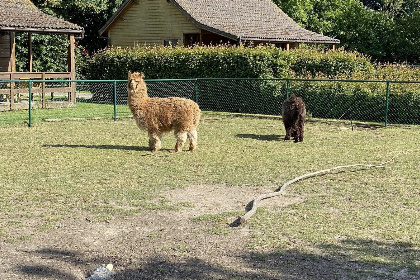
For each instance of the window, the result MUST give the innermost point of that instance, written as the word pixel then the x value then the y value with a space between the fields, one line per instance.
pixel 170 43
pixel 191 39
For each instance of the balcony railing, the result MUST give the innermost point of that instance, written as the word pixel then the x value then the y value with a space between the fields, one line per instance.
pixel 15 89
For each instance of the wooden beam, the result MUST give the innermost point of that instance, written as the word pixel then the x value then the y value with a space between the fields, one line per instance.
pixel 12 61
pixel 44 104
pixel 71 62
pixel 30 51
pixel 12 68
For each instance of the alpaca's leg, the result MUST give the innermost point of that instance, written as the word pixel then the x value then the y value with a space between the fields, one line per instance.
pixel 288 132
pixel 159 142
pixel 192 137
pixel 155 141
pixel 181 137
pixel 301 132
pixel 296 135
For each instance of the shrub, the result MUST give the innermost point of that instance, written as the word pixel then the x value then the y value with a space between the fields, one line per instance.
pixel 339 100
pixel 195 62
pixel 223 62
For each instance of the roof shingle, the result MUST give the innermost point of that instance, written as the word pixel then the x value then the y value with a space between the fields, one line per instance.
pixel 259 20
pixel 23 15
pixel 249 20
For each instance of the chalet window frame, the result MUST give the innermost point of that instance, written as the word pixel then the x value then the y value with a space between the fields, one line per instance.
pixel 191 39
pixel 170 43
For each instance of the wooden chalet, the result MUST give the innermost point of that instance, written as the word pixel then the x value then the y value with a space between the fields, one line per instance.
pixel 24 16
pixel 189 22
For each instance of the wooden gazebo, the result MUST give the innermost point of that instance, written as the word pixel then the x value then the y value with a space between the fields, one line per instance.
pixel 24 16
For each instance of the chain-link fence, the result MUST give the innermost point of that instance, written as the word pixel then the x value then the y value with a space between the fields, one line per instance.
pixel 365 101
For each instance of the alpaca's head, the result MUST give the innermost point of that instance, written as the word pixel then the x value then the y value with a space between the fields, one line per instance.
pixel 135 80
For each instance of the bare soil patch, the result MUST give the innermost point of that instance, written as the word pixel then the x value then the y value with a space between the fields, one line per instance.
pixel 161 244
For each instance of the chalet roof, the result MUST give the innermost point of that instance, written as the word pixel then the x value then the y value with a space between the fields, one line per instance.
pixel 248 20
pixel 23 15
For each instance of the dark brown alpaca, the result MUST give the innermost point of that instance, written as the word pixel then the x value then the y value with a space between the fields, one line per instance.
pixel 294 113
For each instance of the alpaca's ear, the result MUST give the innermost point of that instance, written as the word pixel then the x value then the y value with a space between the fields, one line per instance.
pixel 142 75
pixel 129 74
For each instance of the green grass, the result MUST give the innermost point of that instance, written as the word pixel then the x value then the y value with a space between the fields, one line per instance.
pixel 81 110
pixel 102 169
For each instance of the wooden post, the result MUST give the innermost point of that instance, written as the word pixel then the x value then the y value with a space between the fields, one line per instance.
pixel 30 51
pixel 12 61
pixel 12 67
pixel 287 47
pixel 71 62
pixel 43 91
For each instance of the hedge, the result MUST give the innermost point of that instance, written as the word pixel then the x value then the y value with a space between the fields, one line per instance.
pixel 361 101
pixel 222 62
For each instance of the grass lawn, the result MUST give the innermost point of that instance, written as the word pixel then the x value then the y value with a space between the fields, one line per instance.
pixel 371 216
pixel 82 110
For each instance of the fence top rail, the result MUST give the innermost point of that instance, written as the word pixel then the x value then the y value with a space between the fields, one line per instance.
pixel 213 79
pixel 34 75
pixel 312 80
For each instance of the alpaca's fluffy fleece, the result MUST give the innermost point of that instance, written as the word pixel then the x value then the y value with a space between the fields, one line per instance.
pixel 294 114
pixel 158 115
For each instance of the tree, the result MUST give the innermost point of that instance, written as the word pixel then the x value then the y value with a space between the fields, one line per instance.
pixel 382 29
pixel 90 14
pixel 49 50
pixel 317 16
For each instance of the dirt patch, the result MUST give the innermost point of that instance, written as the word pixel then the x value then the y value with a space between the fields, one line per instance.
pixel 151 245
pixel 205 199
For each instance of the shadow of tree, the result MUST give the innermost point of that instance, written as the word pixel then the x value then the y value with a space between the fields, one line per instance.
pixel 60 264
pixel 192 268
pixel 270 137
pixel 103 147
pixel 45 272
pixel 348 259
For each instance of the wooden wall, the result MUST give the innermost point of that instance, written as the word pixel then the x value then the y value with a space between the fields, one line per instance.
pixel 5 52
pixel 150 22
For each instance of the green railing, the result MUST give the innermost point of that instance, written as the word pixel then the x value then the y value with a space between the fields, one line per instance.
pixel 378 101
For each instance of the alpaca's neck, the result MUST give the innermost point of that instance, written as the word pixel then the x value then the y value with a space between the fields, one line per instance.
pixel 137 96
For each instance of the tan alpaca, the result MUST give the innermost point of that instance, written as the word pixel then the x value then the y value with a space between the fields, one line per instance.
pixel 158 115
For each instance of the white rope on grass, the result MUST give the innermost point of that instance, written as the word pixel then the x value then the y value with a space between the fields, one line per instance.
pixel 241 220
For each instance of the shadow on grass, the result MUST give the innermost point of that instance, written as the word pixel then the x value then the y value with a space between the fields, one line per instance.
pixel 348 259
pixel 103 147
pixel 270 137
pixel 45 272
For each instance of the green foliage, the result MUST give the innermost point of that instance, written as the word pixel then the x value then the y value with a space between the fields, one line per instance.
pixel 364 101
pixel 331 64
pixel 317 16
pixel 222 62
pixel 195 62
pixel 49 52
pixel 347 100
pixel 384 30
pixel 91 15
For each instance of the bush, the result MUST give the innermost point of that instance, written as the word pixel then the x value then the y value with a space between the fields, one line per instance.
pixel 338 100
pixel 330 64
pixel 223 62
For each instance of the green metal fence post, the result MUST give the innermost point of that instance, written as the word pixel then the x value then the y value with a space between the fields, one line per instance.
pixel 386 103
pixel 115 100
pixel 196 90
pixel 287 88
pixel 30 103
